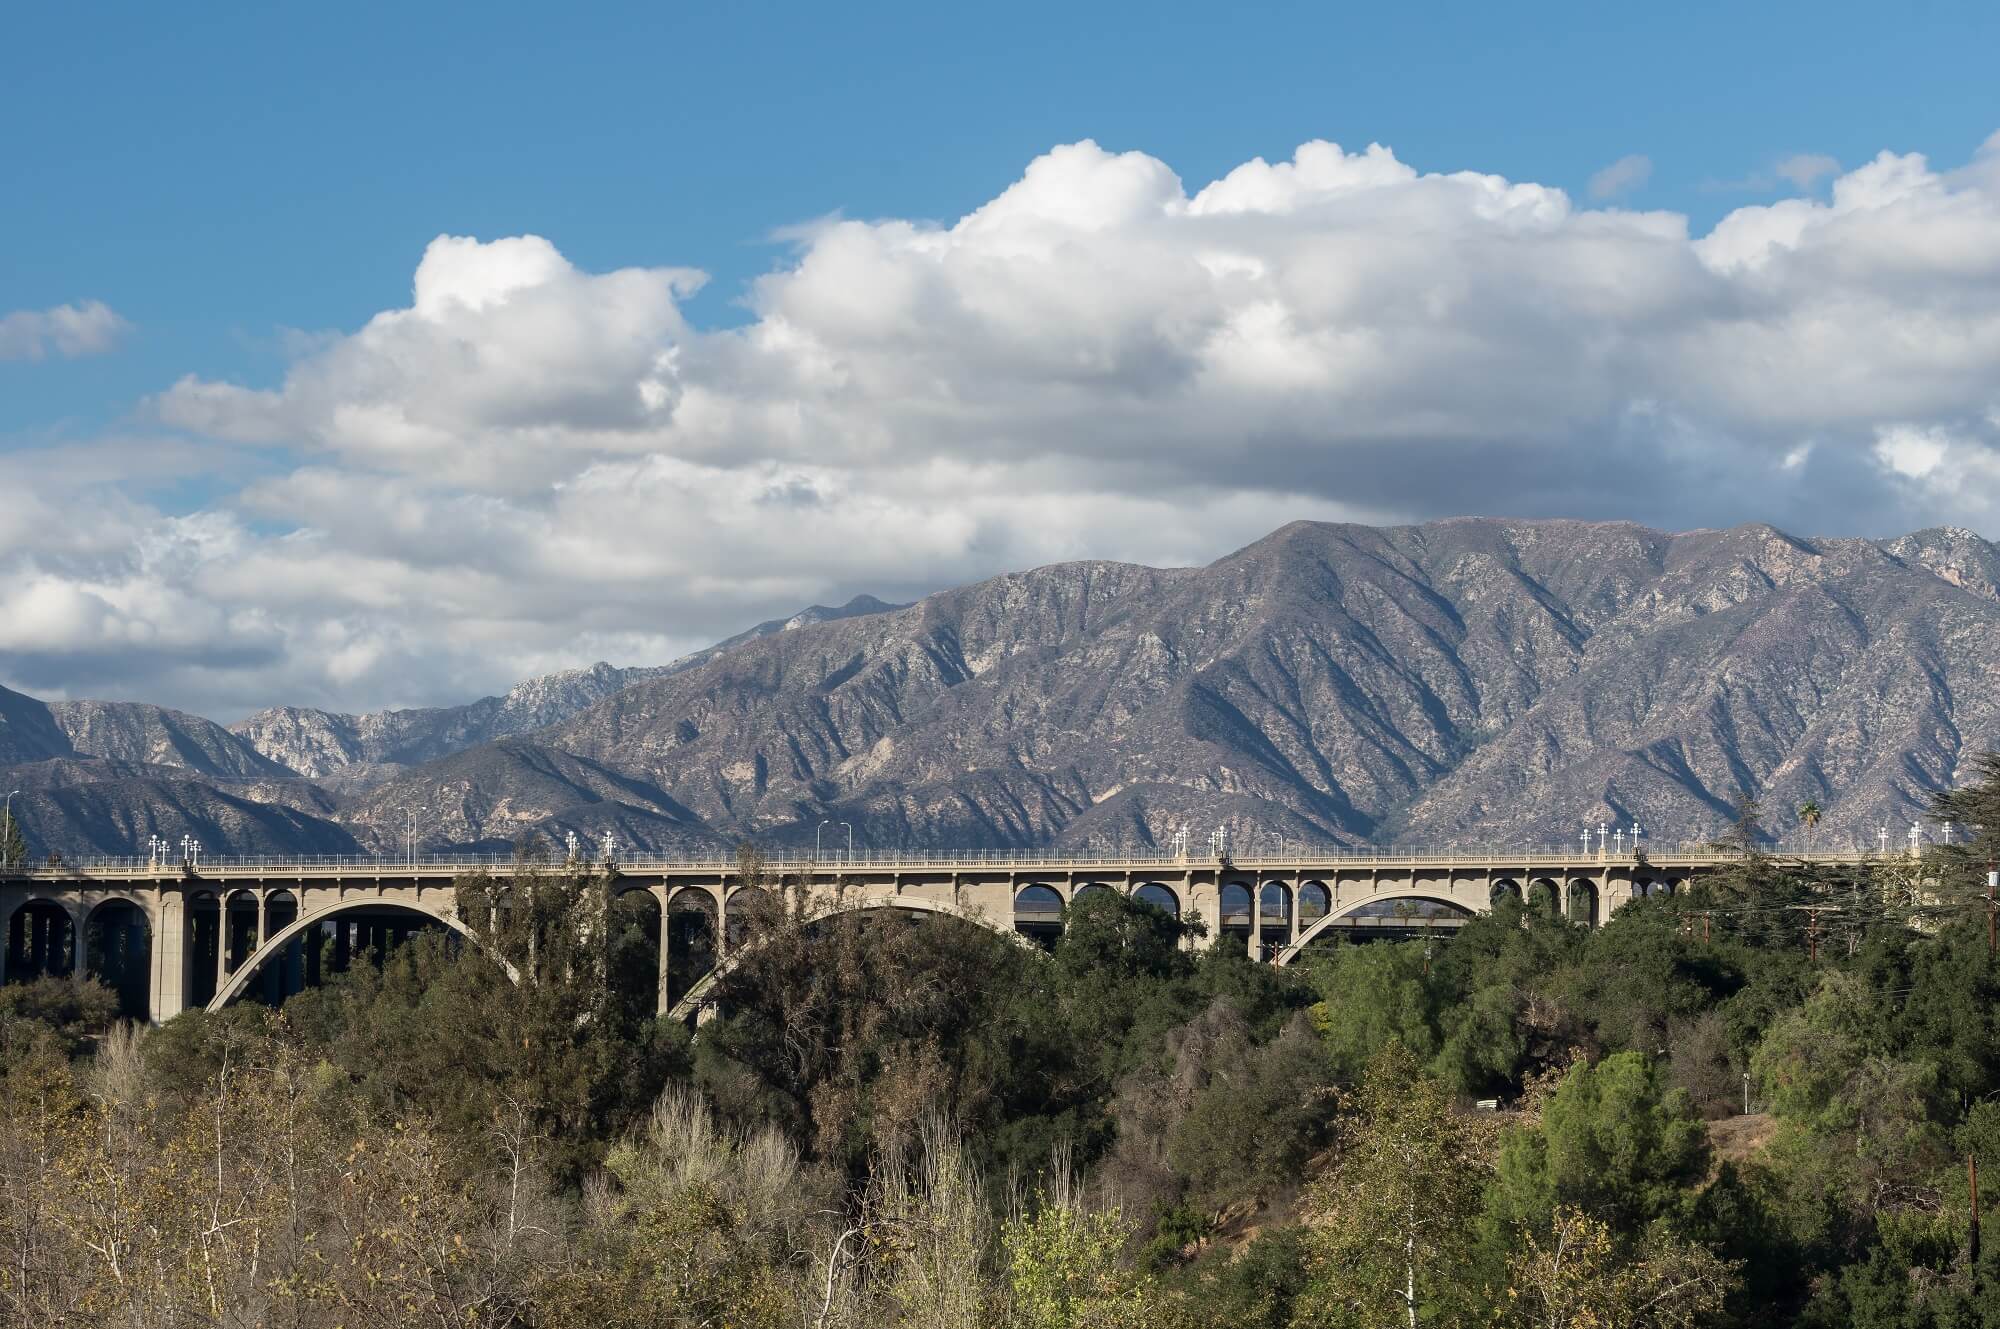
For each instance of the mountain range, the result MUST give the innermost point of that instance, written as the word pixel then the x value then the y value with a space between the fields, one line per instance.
pixel 1462 682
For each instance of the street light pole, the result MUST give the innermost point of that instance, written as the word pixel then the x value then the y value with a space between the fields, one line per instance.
pixel 850 840
pixel 816 837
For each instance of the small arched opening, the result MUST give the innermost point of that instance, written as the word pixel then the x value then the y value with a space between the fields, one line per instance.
pixel 633 961
pixel 1274 916
pixel 753 910
pixel 691 940
pixel 1038 913
pixel 1583 902
pixel 1504 889
pixel 1543 897
pixel 1315 901
pixel 239 930
pixel 1093 888
pixel 1160 897
pixel 1235 907
pixel 118 952
pixel 41 942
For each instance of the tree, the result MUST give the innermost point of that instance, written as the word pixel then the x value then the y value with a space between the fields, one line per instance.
pixel 1809 817
pixel 1064 1271
pixel 1371 997
pixel 1614 1141
pixel 1574 1277
pixel 1390 1229
pixel 1263 1112
pixel 13 844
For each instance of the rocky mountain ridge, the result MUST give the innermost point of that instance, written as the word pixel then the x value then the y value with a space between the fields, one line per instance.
pixel 1461 682
pixel 358 751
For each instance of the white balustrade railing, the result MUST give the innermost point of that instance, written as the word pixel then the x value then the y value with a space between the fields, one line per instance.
pixel 1252 858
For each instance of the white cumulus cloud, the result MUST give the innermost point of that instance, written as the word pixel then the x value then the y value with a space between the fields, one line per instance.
pixel 531 465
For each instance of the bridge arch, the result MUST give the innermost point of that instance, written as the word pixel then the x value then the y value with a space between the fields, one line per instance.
pixel 239 980
pixel 118 951
pixel 1313 933
pixel 696 997
pixel 1314 903
pixel 40 936
pixel 1038 912
pixel 1159 895
pixel 1581 901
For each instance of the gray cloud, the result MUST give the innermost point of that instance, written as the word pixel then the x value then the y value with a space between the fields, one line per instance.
pixel 90 328
pixel 532 466
pixel 1806 169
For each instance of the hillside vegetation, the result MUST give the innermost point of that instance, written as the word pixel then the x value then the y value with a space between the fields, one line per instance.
pixel 920 1123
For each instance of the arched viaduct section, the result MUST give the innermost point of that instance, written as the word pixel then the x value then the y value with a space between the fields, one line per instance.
pixel 172 935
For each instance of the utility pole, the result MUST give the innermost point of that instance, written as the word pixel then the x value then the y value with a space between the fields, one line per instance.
pixel 1812 913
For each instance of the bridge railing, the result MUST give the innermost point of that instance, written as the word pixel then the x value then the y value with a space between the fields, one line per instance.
pixel 1253 859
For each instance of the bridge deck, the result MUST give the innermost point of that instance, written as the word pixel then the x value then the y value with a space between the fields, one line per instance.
pixel 1318 860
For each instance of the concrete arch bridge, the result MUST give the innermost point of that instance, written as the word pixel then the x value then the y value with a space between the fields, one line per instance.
pixel 169 936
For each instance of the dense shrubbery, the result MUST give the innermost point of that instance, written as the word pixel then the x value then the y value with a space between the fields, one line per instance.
pixel 923 1123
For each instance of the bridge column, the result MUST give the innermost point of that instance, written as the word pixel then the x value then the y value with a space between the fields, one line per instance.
pixel 263 921
pixel 1256 947
pixel 221 938
pixel 1210 909
pixel 76 940
pixel 169 959
pixel 661 1006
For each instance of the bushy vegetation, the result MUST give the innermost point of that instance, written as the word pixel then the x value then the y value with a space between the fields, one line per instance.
pixel 922 1123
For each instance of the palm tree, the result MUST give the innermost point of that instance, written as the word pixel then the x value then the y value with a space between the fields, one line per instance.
pixel 1809 815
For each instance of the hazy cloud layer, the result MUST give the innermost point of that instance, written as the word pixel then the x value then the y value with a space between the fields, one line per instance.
pixel 90 328
pixel 533 466
pixel 1621 177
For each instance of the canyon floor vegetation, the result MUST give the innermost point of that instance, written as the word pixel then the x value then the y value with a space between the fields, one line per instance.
pixel 896 1122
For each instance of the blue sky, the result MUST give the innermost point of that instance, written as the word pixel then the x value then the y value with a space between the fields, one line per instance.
pixel 221 173
pixel 372 339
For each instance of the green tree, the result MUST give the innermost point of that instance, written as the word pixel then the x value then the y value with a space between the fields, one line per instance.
pixel 1371 997
pixel 1065 1270
pixel 1390 1228
pixel 1614 1141
pixel 13 844
pixel 1809 817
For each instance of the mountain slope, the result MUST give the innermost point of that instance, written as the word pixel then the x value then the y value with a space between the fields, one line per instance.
pixel 1459 681
pixel 360 750
pixel 491 796
pixel 135 732
pixel 110 807
pixel 27 731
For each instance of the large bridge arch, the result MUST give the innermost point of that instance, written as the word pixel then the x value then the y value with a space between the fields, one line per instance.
pixel 696 997
pixel 1350 907
pixel 274 946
